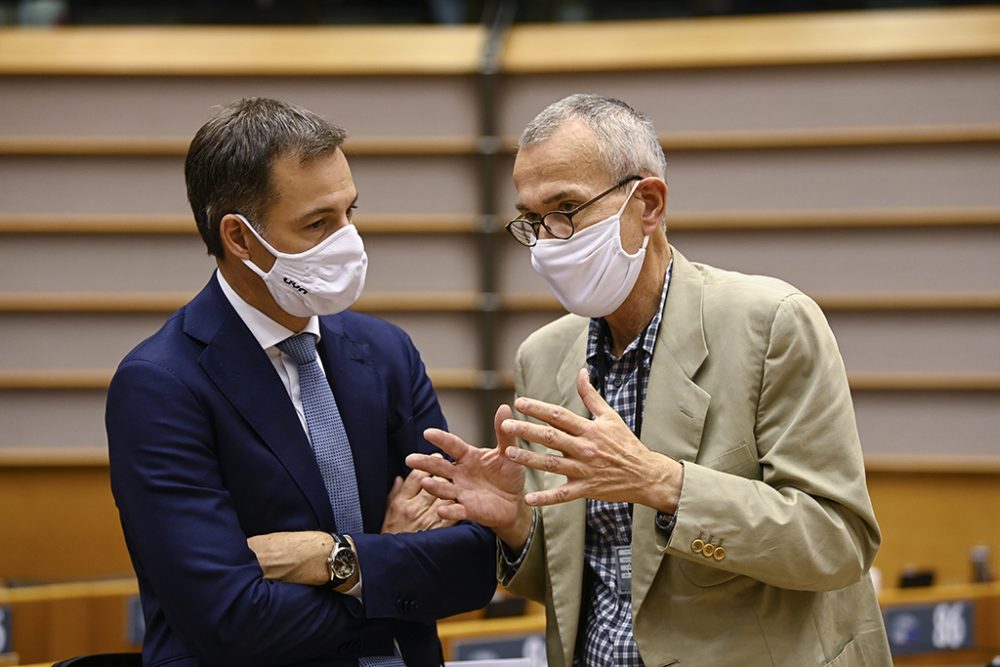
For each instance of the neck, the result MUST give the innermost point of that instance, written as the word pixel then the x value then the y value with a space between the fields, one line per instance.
pixel 632 317
pixel 253 290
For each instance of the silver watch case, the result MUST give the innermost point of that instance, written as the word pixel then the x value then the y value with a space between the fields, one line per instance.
pixel 342 562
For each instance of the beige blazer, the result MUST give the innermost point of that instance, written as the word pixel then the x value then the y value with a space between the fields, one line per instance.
pixel 768 562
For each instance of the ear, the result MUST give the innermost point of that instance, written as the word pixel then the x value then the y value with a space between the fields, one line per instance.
pixel 652 192
pixel 234 237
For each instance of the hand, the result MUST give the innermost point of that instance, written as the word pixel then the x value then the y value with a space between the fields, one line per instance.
pixel 484 484
pixel 601 458
pixel 411 509
pixel 294 557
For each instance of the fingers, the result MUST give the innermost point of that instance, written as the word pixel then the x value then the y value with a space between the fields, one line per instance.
pixel 592 399
pixel 549 436
pixel 440 488
pixel 411 485
pixel 397 484
pixel 430 464
pixel 449 443
pixel 504 440
pixel 434 517
pixel 559 465
pixel 554 415
pixel 452 512
pixel 560 494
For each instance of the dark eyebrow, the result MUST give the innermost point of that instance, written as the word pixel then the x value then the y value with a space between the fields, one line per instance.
pixel 325 209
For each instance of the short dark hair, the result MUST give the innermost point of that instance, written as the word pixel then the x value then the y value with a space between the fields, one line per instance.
pixel 228 166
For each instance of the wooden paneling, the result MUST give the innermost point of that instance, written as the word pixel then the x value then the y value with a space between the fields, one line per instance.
pixel 880 94
pixel 59 522
pixel 764 40
pixel 439 223
pixel 932 514
pixel 675 142
pixel 201 51
pixel 399 223
pixel 169 108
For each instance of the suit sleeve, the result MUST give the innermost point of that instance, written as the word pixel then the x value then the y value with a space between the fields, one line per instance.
pixel 808 523
pixel 188 546
pixel 431 574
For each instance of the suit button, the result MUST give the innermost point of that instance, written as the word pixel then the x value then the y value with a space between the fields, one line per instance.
pixel 720 553
pixel 708 550
pixel 697 546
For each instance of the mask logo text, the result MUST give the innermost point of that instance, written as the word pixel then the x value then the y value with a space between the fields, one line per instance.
pixel 295 285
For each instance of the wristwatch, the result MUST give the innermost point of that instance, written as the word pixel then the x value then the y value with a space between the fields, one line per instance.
pixel 343 561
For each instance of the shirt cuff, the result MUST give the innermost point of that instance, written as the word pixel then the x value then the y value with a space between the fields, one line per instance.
pixel 666 522
pixel 507 554
pixel 355 591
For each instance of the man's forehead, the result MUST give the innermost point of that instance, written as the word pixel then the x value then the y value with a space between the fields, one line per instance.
pixel 555 181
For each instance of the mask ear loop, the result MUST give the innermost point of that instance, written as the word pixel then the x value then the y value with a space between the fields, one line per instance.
pixel 645 237
pixel 267 246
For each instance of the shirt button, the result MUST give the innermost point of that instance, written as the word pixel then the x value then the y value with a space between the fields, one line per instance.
pixel 617 383
pixel 708 550
pixel 720 553
pixel 697 546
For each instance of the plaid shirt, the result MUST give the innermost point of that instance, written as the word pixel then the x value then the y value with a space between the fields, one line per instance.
pixel 607 638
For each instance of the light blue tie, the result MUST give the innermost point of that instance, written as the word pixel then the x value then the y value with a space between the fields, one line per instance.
pixel 331 448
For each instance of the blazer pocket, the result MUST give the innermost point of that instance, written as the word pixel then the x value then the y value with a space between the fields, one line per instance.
pixel 850 656
pixel 741 461
pixel 704 576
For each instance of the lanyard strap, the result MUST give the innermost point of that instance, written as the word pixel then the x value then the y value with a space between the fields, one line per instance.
pixel 598 376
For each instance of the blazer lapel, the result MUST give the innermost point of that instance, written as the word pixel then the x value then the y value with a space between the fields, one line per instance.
pixel 361 399
pixel 242 371
pixel 676 407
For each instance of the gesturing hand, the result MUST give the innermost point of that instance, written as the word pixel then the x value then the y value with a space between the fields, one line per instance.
pixel 601 458
pixel 485 485
pixel 410 508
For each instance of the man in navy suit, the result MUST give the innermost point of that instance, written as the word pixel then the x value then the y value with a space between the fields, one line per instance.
pixel 222 501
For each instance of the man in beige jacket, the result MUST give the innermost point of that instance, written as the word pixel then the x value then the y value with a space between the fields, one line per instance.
pixel 695 486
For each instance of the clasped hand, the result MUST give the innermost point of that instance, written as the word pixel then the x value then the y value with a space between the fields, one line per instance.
pixel 300 557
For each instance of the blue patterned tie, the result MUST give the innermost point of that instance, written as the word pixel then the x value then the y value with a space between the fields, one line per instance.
pixel 331 447
pixel 326 433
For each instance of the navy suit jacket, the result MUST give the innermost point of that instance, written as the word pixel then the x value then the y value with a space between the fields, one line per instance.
pixel 206 450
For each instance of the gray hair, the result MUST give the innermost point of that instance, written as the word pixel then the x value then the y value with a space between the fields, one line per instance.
pixel 627 143
pixel 228 166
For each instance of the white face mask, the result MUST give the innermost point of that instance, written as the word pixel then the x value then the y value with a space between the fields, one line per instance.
pixel 590 273
pixel 324 280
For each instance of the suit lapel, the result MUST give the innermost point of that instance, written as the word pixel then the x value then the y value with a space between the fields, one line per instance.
pixel 676 407
pixel 361 399
pixel 243 373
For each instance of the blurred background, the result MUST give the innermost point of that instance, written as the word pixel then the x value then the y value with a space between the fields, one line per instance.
pixel 850 148
pixel 340 12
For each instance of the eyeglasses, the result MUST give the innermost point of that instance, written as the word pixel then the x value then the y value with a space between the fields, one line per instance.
pixel 557 223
